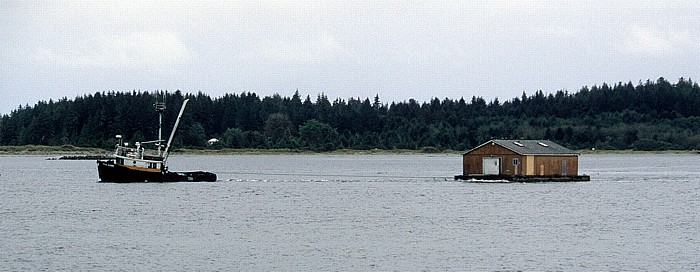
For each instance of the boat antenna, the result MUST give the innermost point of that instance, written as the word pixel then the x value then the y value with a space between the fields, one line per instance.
pixel 160 108
pixel 172 133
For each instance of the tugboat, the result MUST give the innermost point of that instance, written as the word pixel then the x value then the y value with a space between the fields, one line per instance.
pixel 136 164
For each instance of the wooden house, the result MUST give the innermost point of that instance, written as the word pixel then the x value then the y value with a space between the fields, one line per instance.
pixel 521 160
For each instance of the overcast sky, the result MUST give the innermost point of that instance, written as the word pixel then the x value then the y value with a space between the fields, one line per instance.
pixel 396 49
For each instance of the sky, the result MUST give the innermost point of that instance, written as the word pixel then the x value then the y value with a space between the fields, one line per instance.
pixel 399 50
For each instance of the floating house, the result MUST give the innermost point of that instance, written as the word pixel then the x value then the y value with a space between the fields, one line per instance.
pixel 521 161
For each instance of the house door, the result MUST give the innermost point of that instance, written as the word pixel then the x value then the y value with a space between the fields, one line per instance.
pixel 492 166
pixel 563 168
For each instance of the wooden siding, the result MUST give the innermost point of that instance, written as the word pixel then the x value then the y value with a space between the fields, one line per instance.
pixel 552 165
pixel 473 162
pixel 530 165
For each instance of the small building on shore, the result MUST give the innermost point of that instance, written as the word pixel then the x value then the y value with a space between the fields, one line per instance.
pixel 522 160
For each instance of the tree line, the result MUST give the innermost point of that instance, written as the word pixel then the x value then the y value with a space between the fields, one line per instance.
pixel 651 115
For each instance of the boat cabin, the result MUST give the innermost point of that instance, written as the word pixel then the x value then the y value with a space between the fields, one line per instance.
pixel 529 158
pixel 137 157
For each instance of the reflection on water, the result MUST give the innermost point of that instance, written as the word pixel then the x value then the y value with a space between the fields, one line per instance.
pixel 361 212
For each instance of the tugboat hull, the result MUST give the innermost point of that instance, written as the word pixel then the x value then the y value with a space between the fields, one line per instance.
pixel 111 172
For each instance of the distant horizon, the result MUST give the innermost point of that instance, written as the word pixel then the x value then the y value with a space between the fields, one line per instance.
pixel 382 100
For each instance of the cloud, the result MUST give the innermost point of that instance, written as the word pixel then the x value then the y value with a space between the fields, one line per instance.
pixel 657 41
pixel 154 50
pixel 397 49
pixel 320 48
pixel 160 48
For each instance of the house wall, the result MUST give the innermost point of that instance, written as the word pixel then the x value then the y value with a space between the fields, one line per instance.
pixel 473 162
pixel 552 165
pixel 531 165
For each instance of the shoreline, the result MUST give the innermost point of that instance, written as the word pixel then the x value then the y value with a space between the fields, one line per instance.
pixel 38 150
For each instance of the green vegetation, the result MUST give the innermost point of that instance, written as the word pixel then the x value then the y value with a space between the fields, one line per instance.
pixel 648 116
pixel 41 149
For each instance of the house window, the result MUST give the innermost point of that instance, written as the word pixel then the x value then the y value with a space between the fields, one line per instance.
pixel 516 161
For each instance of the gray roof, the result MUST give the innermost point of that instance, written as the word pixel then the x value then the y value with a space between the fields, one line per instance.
pixel 531 147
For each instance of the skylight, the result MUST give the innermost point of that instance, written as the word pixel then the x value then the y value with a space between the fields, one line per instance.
pixel 543 144
pixel 518 144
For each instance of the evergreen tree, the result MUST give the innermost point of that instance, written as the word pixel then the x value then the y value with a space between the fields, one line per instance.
pixel 651 115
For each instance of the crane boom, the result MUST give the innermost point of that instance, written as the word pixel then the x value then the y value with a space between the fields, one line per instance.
pixel 172 133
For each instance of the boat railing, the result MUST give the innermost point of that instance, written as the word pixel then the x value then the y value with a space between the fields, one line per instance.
pixel 138 153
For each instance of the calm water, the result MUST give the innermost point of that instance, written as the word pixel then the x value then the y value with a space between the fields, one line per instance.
pixel 351 213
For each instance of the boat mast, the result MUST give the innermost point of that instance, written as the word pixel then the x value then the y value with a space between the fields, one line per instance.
pixel 172 133
pixel 160 108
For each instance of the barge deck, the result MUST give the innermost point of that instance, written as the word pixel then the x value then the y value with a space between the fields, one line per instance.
pixel 520 178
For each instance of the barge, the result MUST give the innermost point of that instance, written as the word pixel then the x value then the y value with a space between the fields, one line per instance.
pixel 521 161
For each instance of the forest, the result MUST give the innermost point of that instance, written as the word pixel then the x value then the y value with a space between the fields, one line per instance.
pixel 651 115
